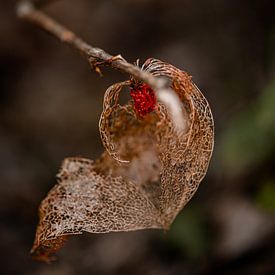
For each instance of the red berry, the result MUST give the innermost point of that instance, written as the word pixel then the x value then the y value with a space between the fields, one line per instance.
pixel 144 99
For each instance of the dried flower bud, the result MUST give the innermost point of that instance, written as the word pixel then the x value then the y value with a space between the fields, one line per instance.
pixel 147 174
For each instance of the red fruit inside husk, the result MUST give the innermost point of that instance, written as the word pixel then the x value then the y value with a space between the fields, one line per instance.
pixel 144 99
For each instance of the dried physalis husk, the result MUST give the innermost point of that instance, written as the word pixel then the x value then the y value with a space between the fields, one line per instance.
pixel 147 174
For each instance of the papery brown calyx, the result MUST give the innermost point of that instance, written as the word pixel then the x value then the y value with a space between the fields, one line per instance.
pixel 147 174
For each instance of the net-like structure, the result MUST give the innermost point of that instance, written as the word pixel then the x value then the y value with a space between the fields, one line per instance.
pixel 147 174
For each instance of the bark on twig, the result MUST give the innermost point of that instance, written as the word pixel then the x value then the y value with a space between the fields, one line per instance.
pixel 97 57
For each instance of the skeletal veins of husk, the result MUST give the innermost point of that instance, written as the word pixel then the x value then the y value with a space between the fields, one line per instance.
pixel 147 174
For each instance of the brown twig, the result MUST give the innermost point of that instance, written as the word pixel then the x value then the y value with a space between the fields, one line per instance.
pixel 96 57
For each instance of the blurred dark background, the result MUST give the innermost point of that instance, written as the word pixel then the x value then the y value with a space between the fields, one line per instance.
pixel 50 106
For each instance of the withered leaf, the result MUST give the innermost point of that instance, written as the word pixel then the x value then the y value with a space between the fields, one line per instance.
pixel 147 174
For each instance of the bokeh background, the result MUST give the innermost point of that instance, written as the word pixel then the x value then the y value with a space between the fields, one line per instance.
pixel 50 106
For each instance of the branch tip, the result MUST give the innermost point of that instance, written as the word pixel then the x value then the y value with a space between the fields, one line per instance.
pixel 24 8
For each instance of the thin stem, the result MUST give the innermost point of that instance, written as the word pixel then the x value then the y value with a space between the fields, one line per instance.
pixel 96 57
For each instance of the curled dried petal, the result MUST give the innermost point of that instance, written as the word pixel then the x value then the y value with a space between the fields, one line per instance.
pixel 189 154
pixel 86 201
pixel 109 117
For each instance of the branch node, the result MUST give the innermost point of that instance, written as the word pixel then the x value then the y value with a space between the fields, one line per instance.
pixel 95 64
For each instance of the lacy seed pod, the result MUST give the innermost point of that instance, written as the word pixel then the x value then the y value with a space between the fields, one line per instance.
pixel 147 174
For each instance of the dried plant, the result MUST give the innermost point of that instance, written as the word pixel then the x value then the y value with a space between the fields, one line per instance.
pixel 147 174
pixel 157 151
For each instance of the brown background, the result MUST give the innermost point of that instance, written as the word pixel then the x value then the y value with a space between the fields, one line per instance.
pixel 50 106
